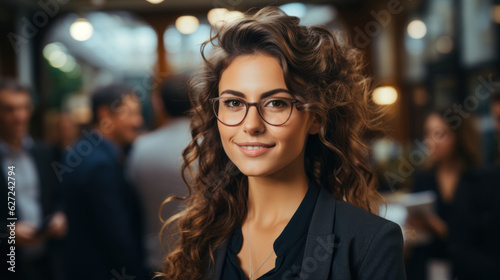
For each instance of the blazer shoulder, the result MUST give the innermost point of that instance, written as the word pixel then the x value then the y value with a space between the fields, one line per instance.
pixel 370 245
pixel 352 220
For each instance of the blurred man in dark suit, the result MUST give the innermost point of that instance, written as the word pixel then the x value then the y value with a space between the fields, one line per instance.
pixel 33 191
pixel 495 112
pixel 104 214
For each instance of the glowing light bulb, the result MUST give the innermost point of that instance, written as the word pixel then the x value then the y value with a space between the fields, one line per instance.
pixel 81 29
pixel 218 16
pixel 187 24
pixel 385 95
pixel 417 29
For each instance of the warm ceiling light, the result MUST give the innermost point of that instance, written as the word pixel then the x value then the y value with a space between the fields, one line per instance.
pixel 233 15
pixel 81 29
pixel 155 1
pixel 417 29
pixel 385 95
pixel 218 16
pixel 187 24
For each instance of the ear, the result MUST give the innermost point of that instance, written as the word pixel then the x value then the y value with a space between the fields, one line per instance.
pixel 315 125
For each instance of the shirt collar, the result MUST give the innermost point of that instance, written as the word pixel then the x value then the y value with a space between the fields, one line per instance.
pixel 299 223
pixel 26 144
pixel 296 228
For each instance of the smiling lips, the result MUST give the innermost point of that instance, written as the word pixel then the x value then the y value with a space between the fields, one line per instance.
pixel 254 149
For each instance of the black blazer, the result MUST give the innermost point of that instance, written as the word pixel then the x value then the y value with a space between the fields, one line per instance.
pixel 345 242
pixel 104 238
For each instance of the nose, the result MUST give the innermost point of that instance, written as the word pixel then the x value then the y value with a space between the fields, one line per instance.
pixel 253 123
pixel 21 114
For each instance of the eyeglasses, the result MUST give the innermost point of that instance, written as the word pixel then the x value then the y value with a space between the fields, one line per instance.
pixel 232 111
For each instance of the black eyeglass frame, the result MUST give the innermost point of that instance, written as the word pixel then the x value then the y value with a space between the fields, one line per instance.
pixel 256 104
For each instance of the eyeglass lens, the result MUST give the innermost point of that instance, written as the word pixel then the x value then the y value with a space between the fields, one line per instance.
pixel 232 111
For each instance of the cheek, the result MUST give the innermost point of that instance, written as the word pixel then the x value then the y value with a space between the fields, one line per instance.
pixel 449 145
pixel 291 138
pixel 131 121
pixel 122 125
pixel 225 134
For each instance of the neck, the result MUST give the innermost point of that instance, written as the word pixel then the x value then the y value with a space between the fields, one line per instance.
pixel 14 142
pixel 451 163
pixel 274 199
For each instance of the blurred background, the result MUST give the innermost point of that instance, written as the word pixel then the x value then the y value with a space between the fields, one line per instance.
pixel 435 64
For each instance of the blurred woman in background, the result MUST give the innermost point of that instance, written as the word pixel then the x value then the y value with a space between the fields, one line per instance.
pixel 453 148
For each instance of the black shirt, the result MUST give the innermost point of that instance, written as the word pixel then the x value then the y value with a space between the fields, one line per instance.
pixel 289 246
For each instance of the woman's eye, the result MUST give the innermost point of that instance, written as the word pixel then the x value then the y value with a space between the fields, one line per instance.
pixel 276 104
pixel 233 103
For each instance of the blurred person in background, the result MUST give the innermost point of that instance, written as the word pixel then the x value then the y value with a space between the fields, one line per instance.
pixel 475 226
pixel 453 150
pixel 156 161
pixel 104 213
pixel 40 221
pixel 60 131
pixel 492 155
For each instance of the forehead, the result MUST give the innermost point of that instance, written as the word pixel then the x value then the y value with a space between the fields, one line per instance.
pixel 130 100
pixel 130 97
pixel 252 74
pixel 10 96
pixel 436 121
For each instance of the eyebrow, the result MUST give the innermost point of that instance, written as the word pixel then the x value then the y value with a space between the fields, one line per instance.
pixel 263 95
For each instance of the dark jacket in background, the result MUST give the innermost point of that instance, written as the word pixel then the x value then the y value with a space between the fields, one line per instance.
pixel 491 147
pixel 437 248
pixel 104 216
pixel 475 226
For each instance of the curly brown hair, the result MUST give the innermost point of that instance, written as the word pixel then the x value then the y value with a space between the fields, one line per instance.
pixel 329 81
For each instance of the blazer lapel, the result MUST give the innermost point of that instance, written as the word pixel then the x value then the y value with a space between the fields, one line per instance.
pixel 320 244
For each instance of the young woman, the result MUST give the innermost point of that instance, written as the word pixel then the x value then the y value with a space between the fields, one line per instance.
pixel 453 143
pixel 282 188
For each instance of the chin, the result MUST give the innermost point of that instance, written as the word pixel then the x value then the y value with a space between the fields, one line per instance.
pixel 255 171
pixel 20 132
